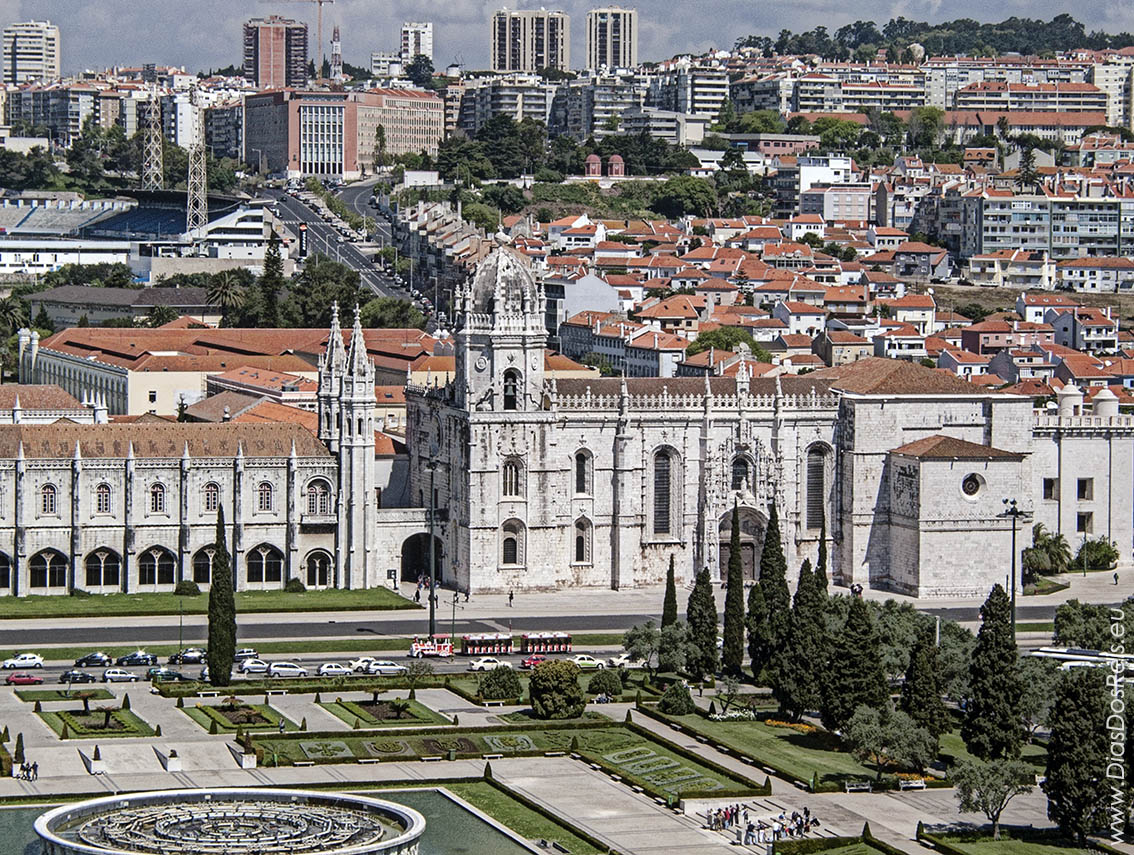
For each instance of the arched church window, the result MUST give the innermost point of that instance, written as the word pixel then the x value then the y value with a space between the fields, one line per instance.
pixel 48 500
pixel 512 475
pixel 264 496
pixel 739 473
pixel 102 499
pixel 663 492
pixel 319 497
pixel 582 541
pixel 816 486
pixel 211 495
pixel 511 389
pixel 582 473
pixel 157 499
pixel 512 543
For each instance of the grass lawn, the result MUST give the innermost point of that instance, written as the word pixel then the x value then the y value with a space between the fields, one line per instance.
pixel 469 681
pixel 519 817
pixel 247 602
pixel 1044 586
pixel 1008 845
pixel 123 723
pixel 33 695
pixel 1036 626
pixel 258 717
pixel 859 848
pixel 362 715
pixel 798 754
pixel 953 749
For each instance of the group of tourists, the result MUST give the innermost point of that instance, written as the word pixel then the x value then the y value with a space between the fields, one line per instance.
pixel 28 772
pixel 759 831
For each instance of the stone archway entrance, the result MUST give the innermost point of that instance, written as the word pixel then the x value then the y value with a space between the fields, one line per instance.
pixel 752 527
pixel 415 557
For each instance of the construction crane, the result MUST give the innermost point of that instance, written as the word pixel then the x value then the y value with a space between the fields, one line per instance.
pixel 319 28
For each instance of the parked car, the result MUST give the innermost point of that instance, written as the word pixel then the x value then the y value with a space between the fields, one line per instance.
pixel 487 663
pixel 77 677
pixel 138 657
pixel 586 662
pixel 119 675
pixel 533 660
pixel 161 674
pixel 189 656
pixel 286 669
pixel 23 678
pixel 24 660
pixel 245 653
pixel 253 666
pixel 386 668
pixel 333 669
pixel 624 660
pixel 93 660
pixel 361 664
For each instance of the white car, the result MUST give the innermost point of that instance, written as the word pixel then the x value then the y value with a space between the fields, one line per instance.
pixel 286 669
pixel 624 660
pixel 488 663
pixel 386 668
pixel 24 660
pixel 333 669
pixel 118 675
pixel 252 666
pixel 362 663
pixel 586 662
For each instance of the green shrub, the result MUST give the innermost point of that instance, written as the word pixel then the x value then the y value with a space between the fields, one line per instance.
pixel 5 762
pixel 605 682
pixel 555 692
pixel 18 754
pixel 187 588
pixel 125 702
pixel 38 707
pixel 157 730
pixel 676 700
pixel 97 755
pixel 294 586
pixel 180 702
pixel 303 724
pixel 500 684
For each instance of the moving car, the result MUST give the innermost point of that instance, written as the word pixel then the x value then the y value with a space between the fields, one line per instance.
pixel 587 662
pixel 23 678
pixel 487 663
pixel 624 660
pixel 286 669
pixel 93 660
pixel 77 677
pixel 161 674
pixel 118 675
pixel 361 664
pixel 138 657
pixel 253 666
pixel 245 653
pixel 24 660
pixel 189 656
pixel 386 668
pixel 533 660
pixel 333 669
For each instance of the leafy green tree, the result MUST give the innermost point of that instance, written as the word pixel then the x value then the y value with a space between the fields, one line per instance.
pixel 159 316
pixel 507 198
pixel 732 651
pixel 1027 176
pixel 555 690
pixel 673 647
pixel 728 338
pixel 271 283
pixel 500 684
pixel 222 610
pixel 854 670
pixel 821 564
pixel 799 671
pixel 1085 625
pixel 379 147
pixel 1076 785
pixel 773 581
pixel 420 71
pixel 921 692
pixel 988 787
pixel 1097 554
pixel 311 294
pixel 701 613
pixel 684 195
pixel 886 735
pixel 1039 679
pixel 992 729
pixel 642 641
pixel 391 313
pixel 43 321
pixel 759 634
pixel 926 126
pixel 669 603
pixel 606 682
pixel 676 700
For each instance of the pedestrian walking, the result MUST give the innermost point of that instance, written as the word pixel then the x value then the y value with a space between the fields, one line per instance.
pixel 35 770
pixel 281 725
pixel 1115 577
pixel 511 597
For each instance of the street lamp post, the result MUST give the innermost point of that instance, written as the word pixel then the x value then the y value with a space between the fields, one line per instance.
pixel 1011 510
pixel 432 467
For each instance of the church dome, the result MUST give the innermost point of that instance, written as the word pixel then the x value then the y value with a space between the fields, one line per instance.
pixel 503 280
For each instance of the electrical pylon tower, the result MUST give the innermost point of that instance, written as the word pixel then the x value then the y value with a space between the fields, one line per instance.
pixel 153 172
pixel 197 216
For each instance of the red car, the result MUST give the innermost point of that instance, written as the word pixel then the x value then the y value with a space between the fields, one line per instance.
pixel 533 660
pixel 22 678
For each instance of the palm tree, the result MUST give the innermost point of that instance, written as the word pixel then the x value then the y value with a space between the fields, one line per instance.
pixel 1059 553
pixel 225 292
pixel 13 315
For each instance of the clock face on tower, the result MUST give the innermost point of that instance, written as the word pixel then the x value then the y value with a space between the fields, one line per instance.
pixel 482 363
pixel 535 362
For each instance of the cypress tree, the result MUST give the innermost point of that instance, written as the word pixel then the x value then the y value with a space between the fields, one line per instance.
pixel 921 691
pixel 854 673
pixel 797 673
pixel 732 651
pixel 1078 791
pixel 669 605
pixel 773 579
pixel 759 641
pixel 701 614
pixel 222 611
pixel 821 567
pixel 993 726
pixel 271 281
pixel 18 753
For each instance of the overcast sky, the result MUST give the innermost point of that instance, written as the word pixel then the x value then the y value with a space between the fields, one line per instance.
pixel 206 33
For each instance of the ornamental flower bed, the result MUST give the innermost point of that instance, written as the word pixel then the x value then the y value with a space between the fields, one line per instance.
pixel 800 726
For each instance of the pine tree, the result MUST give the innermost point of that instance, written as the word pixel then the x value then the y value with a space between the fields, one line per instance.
pixel 797 672
pixel 732 651
pixel 759 641
pixel 993 726
pixel 222 611
pixel 854 675
pixel 701 614
pixel 669 605
pixel 921 691
pixel 1076 785
pixel 270 284
pixel 773 580
pixel 821 567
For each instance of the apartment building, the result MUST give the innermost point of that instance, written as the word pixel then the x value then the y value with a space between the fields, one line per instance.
pixel 1036 97
pixel 275 52
pixel 688 88
pixel 417 40
pixel 531 40
pixel 31 53
pixel 612 38
pixel 518 96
